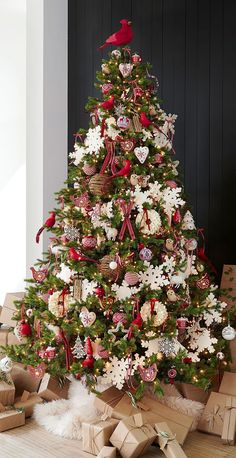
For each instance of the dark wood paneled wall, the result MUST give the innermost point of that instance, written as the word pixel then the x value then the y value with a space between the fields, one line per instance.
pixel 191 44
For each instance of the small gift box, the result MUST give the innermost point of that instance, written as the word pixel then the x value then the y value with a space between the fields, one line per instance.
pixel 133 436
pixel 213 415
pixel 51 389
pixel 228 384
pixel 106 402
pixel 96 434
pixel 229 422
pixel 179 423
pixel 23 380
pixel 10 419
pixel 27 402
pixel 167 442
pixel 107 452
pixel 7 391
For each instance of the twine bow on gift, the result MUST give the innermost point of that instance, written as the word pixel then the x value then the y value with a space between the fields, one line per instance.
pixel 165 438
pixel 126 209
pixel 136 422
pixel 212 416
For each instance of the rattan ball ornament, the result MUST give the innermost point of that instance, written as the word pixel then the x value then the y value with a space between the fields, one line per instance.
pixel 109 267
pixel 100 185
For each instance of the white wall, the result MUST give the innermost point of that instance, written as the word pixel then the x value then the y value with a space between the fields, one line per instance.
pixel 12 144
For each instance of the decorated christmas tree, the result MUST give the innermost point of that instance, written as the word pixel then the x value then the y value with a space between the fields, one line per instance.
pixel 125 293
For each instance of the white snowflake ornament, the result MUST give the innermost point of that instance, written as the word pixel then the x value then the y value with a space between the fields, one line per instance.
pixel 94 141
pixel 65 274
pixel 115 371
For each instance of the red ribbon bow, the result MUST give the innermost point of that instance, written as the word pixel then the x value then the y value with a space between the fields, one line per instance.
pixel 126 208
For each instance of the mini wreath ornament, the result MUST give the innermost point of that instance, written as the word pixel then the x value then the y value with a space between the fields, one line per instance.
pixel 148 221
pixel 154 309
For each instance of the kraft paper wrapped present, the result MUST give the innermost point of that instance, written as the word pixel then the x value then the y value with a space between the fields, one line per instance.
pixel 51 390
pixel 228 384
pixel 229 423
pixel 213 415
pixel 7 391
pixel 27 402
pixel 106 401
pixel 10 419
pixel 178 422
pixel 9 308
pixel 133 436
pixel 124 408
pixel 107 452
pixel 4 330
pixel 23 380
pixel 96 434
pixel 167 442
pixel 194 393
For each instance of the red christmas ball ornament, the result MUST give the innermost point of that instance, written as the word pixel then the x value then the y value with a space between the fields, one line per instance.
pixel 99 291
pixel 187 360
pixel 132 278
pixel 176 217
pixel 136 58
pixel 25 329
pixel 89 169
pixel 184 305
pixel 78 376
pixel 140 246
pixel 181 323
pixel 51 291
pixel 88 363
pixel 171 184
pixel 159 158
pixel 172 374
pixel 89 242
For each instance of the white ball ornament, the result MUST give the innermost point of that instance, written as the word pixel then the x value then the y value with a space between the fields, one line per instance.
pixel 220 355
pixel 228 333
pixel 113 265
pixel 29 313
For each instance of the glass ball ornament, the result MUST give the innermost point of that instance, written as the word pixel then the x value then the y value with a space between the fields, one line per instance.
pixel 145 254
pixel 220 355
pixel 228 333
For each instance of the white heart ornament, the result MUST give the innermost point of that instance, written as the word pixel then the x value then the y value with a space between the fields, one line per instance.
pixel 141 152
pixel 125 69
pixel 87 318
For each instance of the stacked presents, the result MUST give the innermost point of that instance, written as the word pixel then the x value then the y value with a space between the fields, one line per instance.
pixel 20 392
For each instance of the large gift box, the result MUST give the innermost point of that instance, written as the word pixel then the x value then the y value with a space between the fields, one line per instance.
pixel 9 308
pixel 228 384
pixel 193 392
pixel 51 389
pixel 133 436
pixel 7 391
pixel 10 419
pixel 96 434
pixel 167 442
pixel 213 415
pixel 229 423
pixel 27 402
pixel 124 408
pixel 107 452
pixel 106 401
pixel 178 422
pixel 23 380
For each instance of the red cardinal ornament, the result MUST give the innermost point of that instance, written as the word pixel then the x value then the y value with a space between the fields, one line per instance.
pixel 144 120
pixel 48 223
pixel 125 171
pixel 108 104
pixel 122 37
pixel 75 256
pixel 136 322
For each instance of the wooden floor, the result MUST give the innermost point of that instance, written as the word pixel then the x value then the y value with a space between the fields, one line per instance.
pixel 32 441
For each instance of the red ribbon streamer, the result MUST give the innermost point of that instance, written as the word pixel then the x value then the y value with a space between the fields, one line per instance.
pixel 109 159
pixel 126 208
pixel 152 301
pixel 201 252
pixel 67 349
pixel 147 219
pixel 62 295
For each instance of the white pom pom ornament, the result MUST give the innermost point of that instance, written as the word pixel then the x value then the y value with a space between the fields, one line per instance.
pixel 113 265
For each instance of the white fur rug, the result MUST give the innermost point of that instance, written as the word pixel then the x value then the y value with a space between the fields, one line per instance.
pixel 64 417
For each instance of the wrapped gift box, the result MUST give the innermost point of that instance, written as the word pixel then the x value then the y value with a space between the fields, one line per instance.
pixel 228 384
pixel 9 308
pixel 133 436
pixel 167 442
pixel 7 392
pixel 96 434
pixel 27 402
pixel 50 389
pixel 194 393
pixel 4 330
pixel 229 423
pixel 23 380
pixel 106 402
pixel 124 408
pixel 178 422
pixel 107 452
pixel 213 415
pixel 10 419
